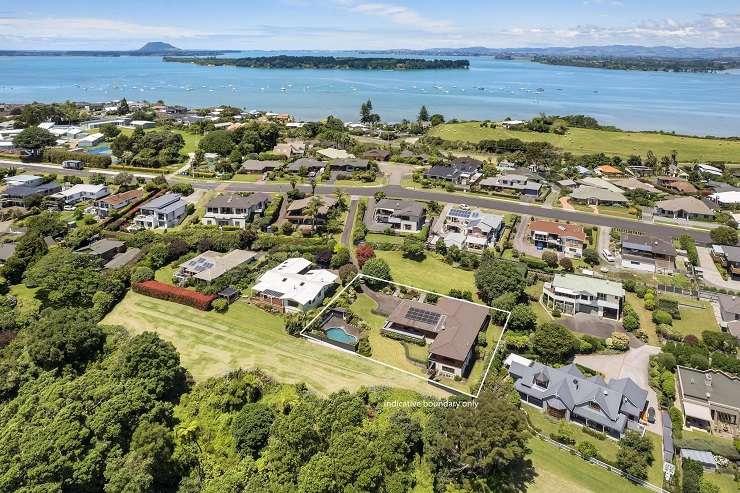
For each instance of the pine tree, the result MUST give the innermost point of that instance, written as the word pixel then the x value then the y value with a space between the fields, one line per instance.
pixel 423 114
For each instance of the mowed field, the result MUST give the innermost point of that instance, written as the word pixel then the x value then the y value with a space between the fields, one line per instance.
pixel 586 141
pixel 212 344
pixel 431 273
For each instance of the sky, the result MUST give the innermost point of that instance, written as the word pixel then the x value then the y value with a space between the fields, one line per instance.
pixel 365 24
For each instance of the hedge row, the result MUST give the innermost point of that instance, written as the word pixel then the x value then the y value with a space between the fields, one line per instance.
pixel 54 155
pixel 162 291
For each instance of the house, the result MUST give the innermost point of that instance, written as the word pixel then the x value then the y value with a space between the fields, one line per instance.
pixel 24 180
pixel 113 253
pixel 210 265
pixel 567 183
pixel 407 154
pixel 507 124
pixel 377 155
pixel 676 171
pixel 512 182
pixel 112 203
pixel 80 192
pixel 166 211
pixel 231 209
pixel 710 400
pixel 467 229
pixel 403 215
pixel 648 254
pixel 91 140
pixel 583 171
pixel 451 325
pixel 613 407
pixel 290 149
pixel 350 165
pixel 726 199
pixel 598 196
pixel 570 239
pixel 729 257
pixel 573 294
pixel 310 165
pixel 608 170
pixel 16 195
pixel 259 167
pixel 72 164
pixel 332 153
pixel 684 208
pixel 676 184
pixel 463 173
pixel 708 170
pixel 640 170
pixel 635 184
pixel 296 212
pixel 293 286
pixel 143 124
pixel 729 308
pixel 595 181
pixel 93 124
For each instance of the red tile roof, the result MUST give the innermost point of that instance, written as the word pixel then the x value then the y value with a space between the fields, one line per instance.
pixel 560 229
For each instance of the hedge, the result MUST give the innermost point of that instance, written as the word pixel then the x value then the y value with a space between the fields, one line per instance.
pixel 54 155
pixel 402 338
pixel 272 212
pixel 163 291
pixel 709 445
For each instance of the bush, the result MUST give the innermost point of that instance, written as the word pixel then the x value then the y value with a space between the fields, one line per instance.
pixel 347 273
pixel 590 256
pixel 550 258
pixel 677 421
pixel 141 274
pixel 377 268
pixel 566 264
pixel 57 156
pixel 341 257
pixel 662 317
pixel 564 434
pixel 619 341
pixel 220 305
pixel 668 332
pixel 162 291
pixel 670 306
pixel 631 322
pixel 588 450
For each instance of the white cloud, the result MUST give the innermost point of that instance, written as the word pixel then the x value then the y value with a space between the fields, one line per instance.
pixel 398 14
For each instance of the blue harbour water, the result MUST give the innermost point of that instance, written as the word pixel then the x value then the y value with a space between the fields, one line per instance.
pixel 702 104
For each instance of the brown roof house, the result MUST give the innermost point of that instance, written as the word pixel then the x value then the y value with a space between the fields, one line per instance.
pixel 648 254
pixel 109 205
pixel 298 210
pixel 570 239
pixel 684 208
pixel 377 154
pixel 452 326
pixel 676 184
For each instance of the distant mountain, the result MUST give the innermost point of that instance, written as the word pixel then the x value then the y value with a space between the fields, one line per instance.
pixel 609 51
pixel 157 47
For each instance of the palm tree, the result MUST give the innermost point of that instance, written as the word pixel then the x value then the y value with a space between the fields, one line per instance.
pixel 313 186
pixel 341 198
pixel 312 209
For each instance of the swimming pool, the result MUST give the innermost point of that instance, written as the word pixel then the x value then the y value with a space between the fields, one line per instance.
pixel 104 149
pixel 338 334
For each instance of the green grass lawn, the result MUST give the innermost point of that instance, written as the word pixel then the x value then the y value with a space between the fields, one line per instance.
pixel 431 273
pixel 694 320
pixel 381 238
pixel 646 318
pixel 557 471
pixel 164 274
pixel 212 344
pixel 26 297
pixel 613 210
pixel 250 178
pixel 725 482
pixel 607 448
pixel 191 140
pixel 586 141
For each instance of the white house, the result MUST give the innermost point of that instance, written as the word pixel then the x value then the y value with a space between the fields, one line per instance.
pixel 82 191
pixel 91 140
pixel 293 286
pixel 573 294
pixel 166 211
pixel 708 169
pixel 234 210
pixel 143 124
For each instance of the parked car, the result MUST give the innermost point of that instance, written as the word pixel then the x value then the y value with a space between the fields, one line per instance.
pixel 607 255
pixel 651 415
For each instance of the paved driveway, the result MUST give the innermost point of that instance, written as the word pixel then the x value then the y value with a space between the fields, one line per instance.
pixel 711 274
pixel 633 364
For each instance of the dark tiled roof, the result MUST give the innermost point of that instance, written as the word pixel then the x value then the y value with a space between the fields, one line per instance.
pixel 238 201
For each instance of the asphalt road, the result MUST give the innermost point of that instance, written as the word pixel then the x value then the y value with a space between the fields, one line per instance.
pixel 660 230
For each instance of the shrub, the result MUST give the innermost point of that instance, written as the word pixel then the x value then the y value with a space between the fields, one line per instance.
pixel 340 257
pixel 588 450
pixel 220 305
pixel 566 264
pixel 631 322
pixel 378 268
pixel 662 317
pixel 347 273
pixel 364 253
pixel 162 291
pixel 55 155
pixel 677 421
pixel 596 434
pixel 564 434
pixel 141 274
pixel 550 258
pixel 669 332
pixel 670 306
pixel 619 341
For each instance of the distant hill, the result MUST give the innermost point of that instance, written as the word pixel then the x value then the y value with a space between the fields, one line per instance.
pixel 157 47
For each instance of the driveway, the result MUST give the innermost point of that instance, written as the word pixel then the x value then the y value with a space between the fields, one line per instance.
pixel 521 242
pixel 604 237
pixel 583 323
pixel 711 274
pixel 349 224
pixel 633 364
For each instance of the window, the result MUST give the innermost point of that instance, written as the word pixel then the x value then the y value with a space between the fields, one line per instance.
pixel 594 406
pixel 602 296
pixel 448 369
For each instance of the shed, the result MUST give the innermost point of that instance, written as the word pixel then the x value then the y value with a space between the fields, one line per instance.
pixel 703 457
pixel 230 294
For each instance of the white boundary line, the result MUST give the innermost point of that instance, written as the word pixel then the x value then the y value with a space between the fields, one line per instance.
pixel 453 390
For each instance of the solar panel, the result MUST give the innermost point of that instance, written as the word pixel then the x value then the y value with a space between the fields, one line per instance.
pixel 423 316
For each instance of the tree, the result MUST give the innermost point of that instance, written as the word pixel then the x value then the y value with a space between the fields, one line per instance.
pixel 363 253
pixel 553 343
pixel 650 160
pixel 218 141
pixel 566 264
pixel 423 114
pixel 65 278
pixel 155 364
pixel 635 454
pixel 365 111
pixel 341 257
pixel 123 108
pixel 347 273
pixel 522 318
pixel 413 248
pixel 437 119
pixel 64 337
pixel 724 235
pixel 378 268
pixel 110 131
pixel 34 140
pixel 550 257
pixel 312 209
pixel 590 256
pixel 495 277
pixel 483 445
pixel 251 428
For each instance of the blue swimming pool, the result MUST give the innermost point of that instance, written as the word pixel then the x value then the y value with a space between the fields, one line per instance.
pixel 104 149
pixel 338 334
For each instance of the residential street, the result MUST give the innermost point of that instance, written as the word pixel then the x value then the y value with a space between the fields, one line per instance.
pixel 633 364
pixel 661 230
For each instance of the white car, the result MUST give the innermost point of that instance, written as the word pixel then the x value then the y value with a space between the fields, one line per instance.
pixel 607 255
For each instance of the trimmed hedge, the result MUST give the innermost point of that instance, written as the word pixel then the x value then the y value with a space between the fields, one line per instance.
pixel 54 155
pixel 402 338
pixel 162 291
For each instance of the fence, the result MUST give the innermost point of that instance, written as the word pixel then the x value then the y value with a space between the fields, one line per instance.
pixel 664 288
pixel 601 464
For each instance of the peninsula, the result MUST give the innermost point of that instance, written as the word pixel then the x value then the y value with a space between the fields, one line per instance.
pixel 325 62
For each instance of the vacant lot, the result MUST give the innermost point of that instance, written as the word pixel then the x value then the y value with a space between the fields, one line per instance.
pixel 585 141
pixel 431 273
pixel 696 316
pixel 212 344
pixel 191 140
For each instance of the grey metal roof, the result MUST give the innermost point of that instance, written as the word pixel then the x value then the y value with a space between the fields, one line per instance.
pixel 585 192
pixel 648 244
pixel 719 387
pixel 701 456
pixel 307 163
pixel 238 201
pixel 351 162
pixel 728 303
pixel 401 207
pixel 27 191
pixel 163 201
